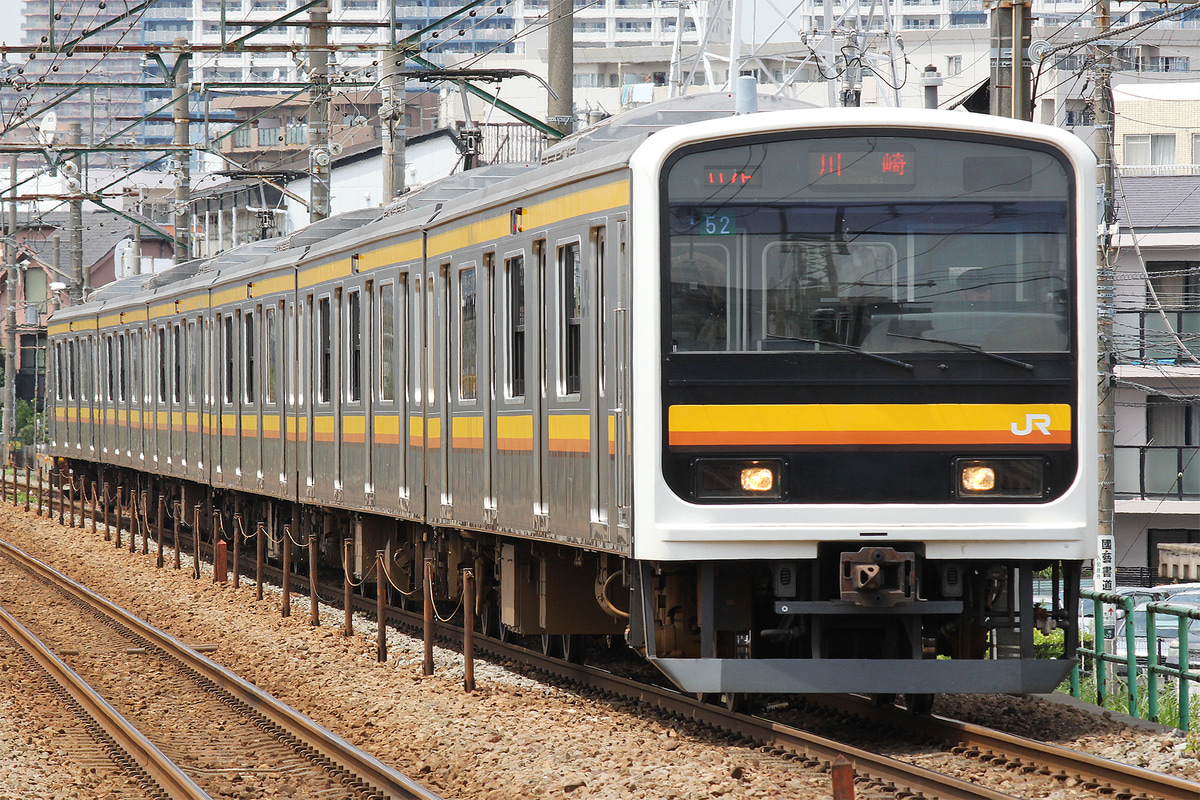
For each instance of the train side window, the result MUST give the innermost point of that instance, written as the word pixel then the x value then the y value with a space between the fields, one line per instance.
pixel 162 365
pixel 271 383
pixel 135 366
pixel 110 360
pixel 387 341
pixel 180 360
pixel 72 373
pixel 59 379
pixel 570 277
pixel 195 363
pixel 248 355
pixel 228 354
pixel 468 343
pixel 354 345
pixel 418 316
pixel 514 272
pixel 324 337
pixel 122 371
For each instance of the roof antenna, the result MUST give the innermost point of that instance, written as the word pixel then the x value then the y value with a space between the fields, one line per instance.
pixel 745 95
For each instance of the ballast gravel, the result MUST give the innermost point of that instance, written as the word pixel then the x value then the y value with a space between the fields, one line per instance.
pixel 512 738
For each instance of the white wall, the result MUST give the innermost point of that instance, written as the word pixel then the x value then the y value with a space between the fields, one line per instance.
pixel 360 184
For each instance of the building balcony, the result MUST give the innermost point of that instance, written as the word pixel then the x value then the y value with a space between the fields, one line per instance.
pixel 1144 337
pixel 1153 472
pixel 1129 170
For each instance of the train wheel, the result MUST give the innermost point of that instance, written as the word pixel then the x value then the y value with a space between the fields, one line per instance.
pixel 549 645
pixel 919 703
pixel 487 621
pixel 572 647
pixel 737 702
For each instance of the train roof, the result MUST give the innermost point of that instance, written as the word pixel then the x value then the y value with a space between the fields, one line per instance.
pixel 633 126
pixel 604 146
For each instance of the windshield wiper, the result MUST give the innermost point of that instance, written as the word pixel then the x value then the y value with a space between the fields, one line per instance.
pixel 969 347
pixel 839 346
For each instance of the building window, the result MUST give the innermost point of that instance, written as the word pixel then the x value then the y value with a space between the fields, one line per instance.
pixel 1175 284
pixel 1144 149
pixel 953 66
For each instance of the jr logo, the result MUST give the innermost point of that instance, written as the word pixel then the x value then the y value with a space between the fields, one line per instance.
pixel 1039 421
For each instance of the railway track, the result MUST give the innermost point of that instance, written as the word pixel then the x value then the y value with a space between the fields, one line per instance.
pixel 182 725
pixel 991 748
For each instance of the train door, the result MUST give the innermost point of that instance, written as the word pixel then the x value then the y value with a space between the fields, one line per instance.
pixel 193 461
pixel 308 337
pixel 179 360
pixel 539 344
pixel 108 423
pixel 292 380
pixel 463 443
pixel 388 388
pixel 619 363
pixel 271 453
pixel 250 436
pixel 438 499
pixel 136 445
pixel 486 338
pixel 597 389
pixel 417 425
pixel 353 402
pixel 324 430
pixel 513 473
pixel 567 475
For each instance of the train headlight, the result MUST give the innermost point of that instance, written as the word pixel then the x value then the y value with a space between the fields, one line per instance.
pixel 1000 477
pixel 738 479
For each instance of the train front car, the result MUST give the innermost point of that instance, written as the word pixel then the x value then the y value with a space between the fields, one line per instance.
pixel 868 429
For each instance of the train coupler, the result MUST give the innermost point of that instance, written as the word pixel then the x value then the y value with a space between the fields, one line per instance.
pixel 878 577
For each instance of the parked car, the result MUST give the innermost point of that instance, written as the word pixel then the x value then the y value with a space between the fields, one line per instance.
pixel 1112 613
pixel 1171 589
pixel 1166 632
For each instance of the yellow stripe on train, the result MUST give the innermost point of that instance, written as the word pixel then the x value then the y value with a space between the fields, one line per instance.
pixel 882 424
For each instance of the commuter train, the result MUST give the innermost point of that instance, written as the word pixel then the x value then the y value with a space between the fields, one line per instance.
pixel 801 400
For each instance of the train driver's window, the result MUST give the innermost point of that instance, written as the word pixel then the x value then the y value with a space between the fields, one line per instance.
pixel 700 294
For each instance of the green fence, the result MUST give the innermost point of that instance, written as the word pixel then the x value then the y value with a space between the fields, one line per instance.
pixel 1162 678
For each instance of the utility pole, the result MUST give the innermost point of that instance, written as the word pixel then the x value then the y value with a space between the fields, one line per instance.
pixel 318 113
pixel 560 64
pixel 1011 70
pixel 79 280
pixel 10 316
pixel 1104 568
pixel 391 114
pixel 182 83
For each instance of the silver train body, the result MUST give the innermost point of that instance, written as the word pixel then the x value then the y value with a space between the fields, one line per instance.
pixel 715 387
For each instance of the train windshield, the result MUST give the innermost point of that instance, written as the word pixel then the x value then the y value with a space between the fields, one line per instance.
pixel 891 244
